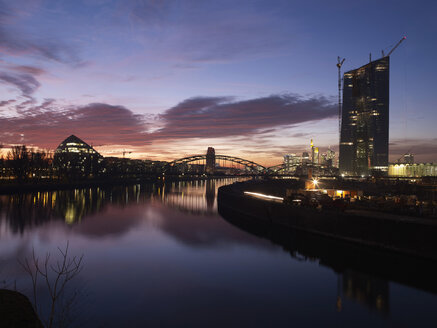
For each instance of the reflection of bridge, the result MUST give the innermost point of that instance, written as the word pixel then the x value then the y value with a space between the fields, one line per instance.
pixel 208 162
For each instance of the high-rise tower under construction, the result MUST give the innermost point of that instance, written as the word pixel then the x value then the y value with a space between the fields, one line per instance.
pixel 364 119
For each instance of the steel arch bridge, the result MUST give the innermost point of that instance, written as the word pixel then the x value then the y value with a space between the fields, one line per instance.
pixel 277 169
pixel 252 166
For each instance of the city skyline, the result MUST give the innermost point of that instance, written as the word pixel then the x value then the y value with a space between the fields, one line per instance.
pixel 165 79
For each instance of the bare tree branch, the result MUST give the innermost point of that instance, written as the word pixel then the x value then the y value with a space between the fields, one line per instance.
pixel 56 276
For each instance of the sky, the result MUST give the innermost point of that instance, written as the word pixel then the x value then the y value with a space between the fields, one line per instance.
pixel 162 79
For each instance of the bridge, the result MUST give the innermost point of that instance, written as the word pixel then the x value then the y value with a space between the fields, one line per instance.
pixel 211 164
pixel 277 169
pixel 208 164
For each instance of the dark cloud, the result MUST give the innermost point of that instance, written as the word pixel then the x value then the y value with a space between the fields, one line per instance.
pixel 26 83
pixel 22 107
pixel 48 124
pixel 14 43
pixel 300 135
pixel 29 70
pixel 6 102
pixel 209 117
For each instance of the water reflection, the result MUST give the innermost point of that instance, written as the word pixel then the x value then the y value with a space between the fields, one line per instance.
pixel 173 251
pixel 194 197
pixel 370 291
pixel 24 211
pixel 363 273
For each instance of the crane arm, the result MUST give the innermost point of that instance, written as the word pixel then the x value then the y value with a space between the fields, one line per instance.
pixel 397 45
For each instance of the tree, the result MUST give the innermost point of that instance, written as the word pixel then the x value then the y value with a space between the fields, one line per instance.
pixel 19 159
pixel 40 163
pixel 55 277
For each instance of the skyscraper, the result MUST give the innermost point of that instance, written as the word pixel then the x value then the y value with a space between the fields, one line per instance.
pixel 210 161
pixel 364 120
pixel 314 153
pixel 291 162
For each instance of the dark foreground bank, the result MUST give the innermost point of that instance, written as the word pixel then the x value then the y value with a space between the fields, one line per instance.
pixel 402 234
pixel 16 311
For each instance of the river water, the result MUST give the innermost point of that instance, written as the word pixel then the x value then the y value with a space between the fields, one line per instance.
pixel 161 256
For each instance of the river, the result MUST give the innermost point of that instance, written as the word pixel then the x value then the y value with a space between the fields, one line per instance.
pixel 159 255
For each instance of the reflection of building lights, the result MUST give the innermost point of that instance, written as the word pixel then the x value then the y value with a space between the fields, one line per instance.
pixel 70 215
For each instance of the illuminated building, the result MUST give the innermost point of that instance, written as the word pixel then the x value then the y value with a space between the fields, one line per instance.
pixel 210 161
pixel 291 162
pixel 75 158
pixel 76 146
pixel 305 158
pixel 413 170
pixel 365 119
pixel 314 153
pixel 329 157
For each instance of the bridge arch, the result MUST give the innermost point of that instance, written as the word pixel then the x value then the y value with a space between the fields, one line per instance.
pixel 277 169
pixel 252 166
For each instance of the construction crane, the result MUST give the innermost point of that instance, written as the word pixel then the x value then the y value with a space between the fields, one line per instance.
pixel 408 152
pixel 394 48
pixel 339 64
pixel 126 152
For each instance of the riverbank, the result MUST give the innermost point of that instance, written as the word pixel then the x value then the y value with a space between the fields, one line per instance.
pixel 402 234
pixel 17 311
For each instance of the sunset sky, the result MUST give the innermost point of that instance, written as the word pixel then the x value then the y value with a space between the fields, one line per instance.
pixel 165 79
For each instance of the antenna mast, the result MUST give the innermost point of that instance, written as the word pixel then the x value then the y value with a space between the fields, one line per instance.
pixel 339 64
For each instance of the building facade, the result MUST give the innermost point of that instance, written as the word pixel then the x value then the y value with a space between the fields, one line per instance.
pixel 365 119
pixel 291 162
pixel 75 158
pixel 210 161
pixel 413 170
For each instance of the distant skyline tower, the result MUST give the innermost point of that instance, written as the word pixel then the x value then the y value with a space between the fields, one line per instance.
pixel 210 161
pixel 365 119
pixel 314 153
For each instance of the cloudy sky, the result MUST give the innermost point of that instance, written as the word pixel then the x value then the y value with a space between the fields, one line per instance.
pixel 164 79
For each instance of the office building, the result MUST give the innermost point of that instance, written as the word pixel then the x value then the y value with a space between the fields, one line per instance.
pixel 314 153
pixel 305 158
pixel 291 162
pixel 75 158
pixel 210 161
pixel 364 120
pixel 417 170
